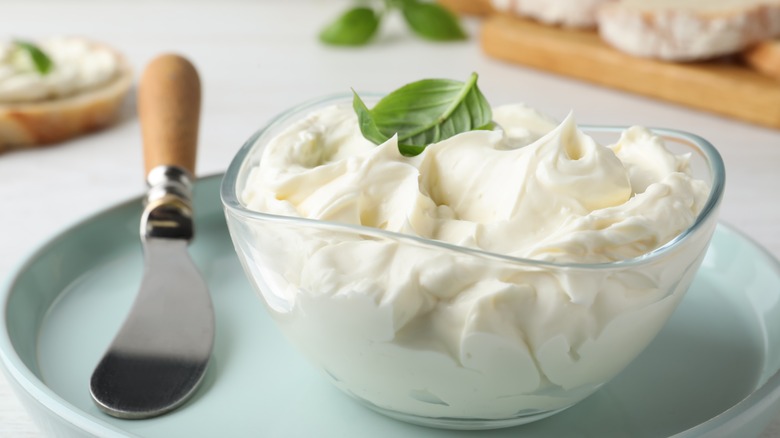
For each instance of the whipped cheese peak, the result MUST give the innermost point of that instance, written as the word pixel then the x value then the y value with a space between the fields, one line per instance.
pixel 78 65
pixel 577 168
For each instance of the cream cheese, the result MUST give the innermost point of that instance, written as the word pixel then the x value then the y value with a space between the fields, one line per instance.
pixel 573 13
pixel 530 190
pixel 430 332
pixel 78 65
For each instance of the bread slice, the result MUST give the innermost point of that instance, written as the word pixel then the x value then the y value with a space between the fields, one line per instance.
pixel 765 57
pixel 43 122
pixel 568 13
pixel 688 30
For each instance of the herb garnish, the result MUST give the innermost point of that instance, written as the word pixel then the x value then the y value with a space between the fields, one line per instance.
pixel 427 19
pixel 354 28
pixel 43 64
pixel 425 112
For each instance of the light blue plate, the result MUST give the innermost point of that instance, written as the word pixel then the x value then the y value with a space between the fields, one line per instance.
pixel 713 371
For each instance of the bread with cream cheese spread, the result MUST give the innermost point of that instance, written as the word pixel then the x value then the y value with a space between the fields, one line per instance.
pixel 687 30
pixel 53 119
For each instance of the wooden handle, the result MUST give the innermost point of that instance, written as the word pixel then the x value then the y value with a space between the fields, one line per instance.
pixel 169 110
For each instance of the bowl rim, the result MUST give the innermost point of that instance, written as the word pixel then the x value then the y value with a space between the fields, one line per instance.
pixel 233 205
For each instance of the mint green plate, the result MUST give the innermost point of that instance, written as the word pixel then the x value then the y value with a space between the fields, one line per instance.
pixel 713 370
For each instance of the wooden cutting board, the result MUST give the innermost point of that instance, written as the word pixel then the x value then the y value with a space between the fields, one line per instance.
pixel 468 7
pixel 726 88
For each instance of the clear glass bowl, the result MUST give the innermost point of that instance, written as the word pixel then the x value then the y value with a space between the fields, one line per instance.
pixel 488 376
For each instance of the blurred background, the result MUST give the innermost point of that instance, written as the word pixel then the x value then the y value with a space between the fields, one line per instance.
pixel 257 58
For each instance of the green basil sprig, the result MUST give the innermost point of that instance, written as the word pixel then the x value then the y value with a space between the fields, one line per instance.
pixel 358 25
pixel 43 64
pixel 425 112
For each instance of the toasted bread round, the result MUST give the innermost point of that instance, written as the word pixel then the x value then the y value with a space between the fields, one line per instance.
pixel 38 123
pixel 688 30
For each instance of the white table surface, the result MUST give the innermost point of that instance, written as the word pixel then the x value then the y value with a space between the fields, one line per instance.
pixel 257 58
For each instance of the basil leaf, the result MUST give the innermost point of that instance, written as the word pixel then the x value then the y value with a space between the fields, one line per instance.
pixel 366 120
pixel 354 28
pixel 432 21
pixel 425 112
pixel 43 64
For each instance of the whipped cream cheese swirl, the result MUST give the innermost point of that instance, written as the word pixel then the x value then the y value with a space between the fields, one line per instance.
pixel 459 335
pixel 531 190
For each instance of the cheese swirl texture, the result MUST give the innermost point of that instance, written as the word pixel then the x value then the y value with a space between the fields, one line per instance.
pixel 530 190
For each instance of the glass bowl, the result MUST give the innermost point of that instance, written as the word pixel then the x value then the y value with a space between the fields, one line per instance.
pixel 516 356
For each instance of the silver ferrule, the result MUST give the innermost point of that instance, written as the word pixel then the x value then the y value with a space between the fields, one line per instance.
pixel 168 212
pixel 169 181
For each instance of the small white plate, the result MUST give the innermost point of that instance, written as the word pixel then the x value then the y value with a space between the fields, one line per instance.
pixel 713 370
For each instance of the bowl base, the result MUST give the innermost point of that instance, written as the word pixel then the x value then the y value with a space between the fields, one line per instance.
pixel 463 423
